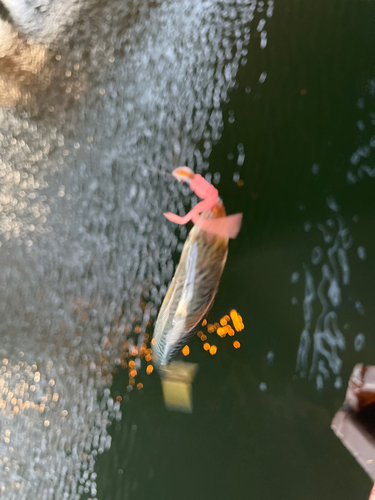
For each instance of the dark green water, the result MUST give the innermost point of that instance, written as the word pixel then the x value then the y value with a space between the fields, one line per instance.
pixel 241 442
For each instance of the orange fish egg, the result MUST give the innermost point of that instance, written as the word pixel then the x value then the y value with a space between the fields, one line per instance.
pixel 206 346
pixel 203 337
pixel 236 344
pixel 140 386
pixel 213 349
pixel 133 373
pixel 223 321
pixel 149 369
pixel 186 350
pixel 204 322
pixel 148 357
pixel 131 364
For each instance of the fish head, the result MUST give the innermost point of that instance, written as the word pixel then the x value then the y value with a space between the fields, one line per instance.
pixel 183 174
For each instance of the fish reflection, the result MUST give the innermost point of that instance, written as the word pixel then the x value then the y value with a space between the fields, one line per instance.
pixel 196 281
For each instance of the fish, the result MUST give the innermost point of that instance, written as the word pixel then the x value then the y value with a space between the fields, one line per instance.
pixel 196 281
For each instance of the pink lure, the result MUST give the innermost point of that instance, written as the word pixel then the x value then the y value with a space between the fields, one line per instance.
pixel 225 227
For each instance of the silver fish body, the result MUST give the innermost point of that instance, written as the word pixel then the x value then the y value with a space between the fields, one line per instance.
pixel 192 290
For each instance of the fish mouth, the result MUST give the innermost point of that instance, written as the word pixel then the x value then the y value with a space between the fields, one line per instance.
pixel 183 174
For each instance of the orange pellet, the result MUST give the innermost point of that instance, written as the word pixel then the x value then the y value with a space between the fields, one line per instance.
pixel 210 328
pixel 221 332
pixel 132 381
pixel 206 346
pixel 237 320
pixel 148 357
pixel 223 321
pixel 236 344
pixel 131 364
pixel 231 332
pixel 233 314
pixel 204 322
pixel 133 373
pixel 137 329
pixel 213 349
pixel 186 350
pixel 140 386
pixel 149 369
pixel 203 337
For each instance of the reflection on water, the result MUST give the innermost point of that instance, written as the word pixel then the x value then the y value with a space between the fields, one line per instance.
pixel 322 338
pixel 321 325
pixel 86 254
pixel 22 70
pixel 362 160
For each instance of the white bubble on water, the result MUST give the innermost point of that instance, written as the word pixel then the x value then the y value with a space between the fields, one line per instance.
pixel 359 342
pixel 262 77
pixel 295 277
pixel 263 39
pixel 315 169
pixel 361 252
pixel 270 358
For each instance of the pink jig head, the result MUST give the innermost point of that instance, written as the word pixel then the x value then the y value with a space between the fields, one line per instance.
pixel 225 227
